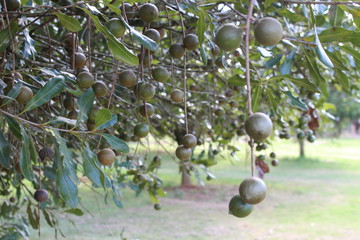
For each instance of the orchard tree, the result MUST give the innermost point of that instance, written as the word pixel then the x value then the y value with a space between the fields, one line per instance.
pixel 80 80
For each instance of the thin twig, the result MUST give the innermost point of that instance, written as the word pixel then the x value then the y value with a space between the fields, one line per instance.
pixel 184 78
pixel 248 84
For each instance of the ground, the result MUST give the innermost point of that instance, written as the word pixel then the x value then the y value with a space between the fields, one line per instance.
pixel 315 198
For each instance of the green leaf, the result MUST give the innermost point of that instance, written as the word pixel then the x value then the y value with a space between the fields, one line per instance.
pixel 117 201
pixel 116 143
pixel 118 50
pixel 111 122
pixel 354 10
pixel 342 78
pixel 72 87
pixel 295 101
pixel 11 236
pixel 352 52
pixel 204 55
pixel 270 96
pixel 236 80
pixel 48 218
pixel 300 82
pixel 113 8
pixel 93 170
pixel 273 61
pixel 293 17
pixel 314 70
pixel 147 42
pixel 264 52
pixel 14 127
pixel 201 26
pixel 53 87
pixel 285 67
pixel 33 153
pixel 336 15
pixel 70 23
pixel 256 97
pixel 321 54
pixel 13 93
pixel 5 35
pixel 339 64
pixel 25 156
pixel 85 103
pixel 336 34
pixel 32 219
pixel 75 211
pixel 66 156
pixel 4 152
pixel 67 188
pixel 153 198
pixel 312 17
pixel 102 116
pixel 62 120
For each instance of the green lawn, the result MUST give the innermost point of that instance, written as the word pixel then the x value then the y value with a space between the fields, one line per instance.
pixel 308 199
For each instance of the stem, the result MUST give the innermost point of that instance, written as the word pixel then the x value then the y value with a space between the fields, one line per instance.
pixel 11 38
pixel 89 44
pixel 248 85
pixel 184 80
pixel 41 126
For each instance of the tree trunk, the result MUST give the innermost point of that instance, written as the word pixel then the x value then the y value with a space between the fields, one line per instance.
pixel 185 179
pixel 302 148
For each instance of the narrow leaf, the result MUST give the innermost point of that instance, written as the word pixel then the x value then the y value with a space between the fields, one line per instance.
pixel 296 101
pixel 203 54
pixel 70 23
pixel 4 152
pixel 300 82
pixel 352 52
pixel 67 161
pixel 285 67
pixel 111 122
pixel 14 127
pixel 5 35
pixel 336 34
pixel 237 80
pixel 147 42
pixel 53 87
pixel 313 68
pixel 256 97
pixel 25 157
pixel 273 61
pixel 85 103
pixel 102 116
pixel 75 211
pixel 201 26
pixel 337 60
pixel 270 96
pixel 93 170
pixel 117 201
pixel 118 50
pixel 116 143
pixel 62 120
pixel 336 15
pixel 320 52
pixel 13 93
pixel 67 188
pixel 343 79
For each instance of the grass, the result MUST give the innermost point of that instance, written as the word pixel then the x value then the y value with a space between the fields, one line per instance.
pixel 312 198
